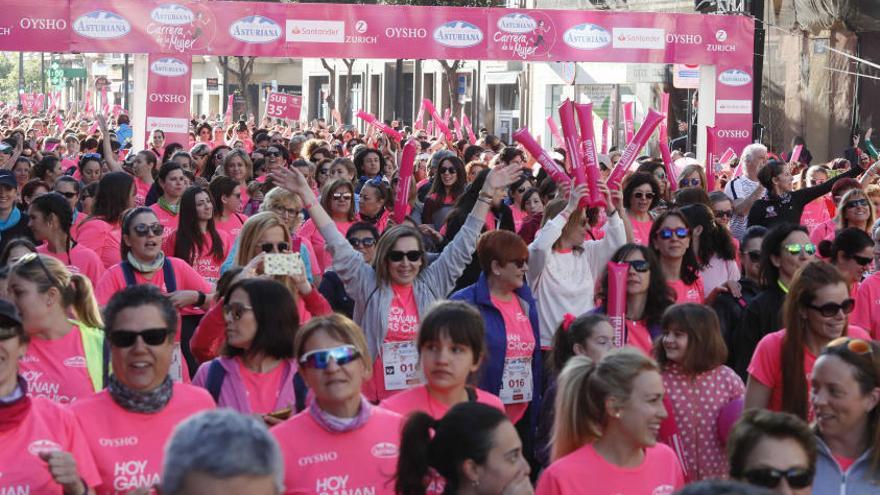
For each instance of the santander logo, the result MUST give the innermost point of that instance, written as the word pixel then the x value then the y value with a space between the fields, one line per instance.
pixel 169 67
pixel 458 34
pixel 173 14
pixel 101 25
pixel 255 29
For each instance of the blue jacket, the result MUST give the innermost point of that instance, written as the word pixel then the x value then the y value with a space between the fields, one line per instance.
pixel 496 339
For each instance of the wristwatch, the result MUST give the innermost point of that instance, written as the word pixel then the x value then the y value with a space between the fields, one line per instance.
pixel 201 300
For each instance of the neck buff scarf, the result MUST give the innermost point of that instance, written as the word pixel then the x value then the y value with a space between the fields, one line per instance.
pixel 140 402
pixel 170 208
pixel 336 424
pixel 12 220
pixel 146 267
pixel 15 406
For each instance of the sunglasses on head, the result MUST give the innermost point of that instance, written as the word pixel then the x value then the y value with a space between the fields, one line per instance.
pixel 754 256
pixel 770 478
pixel 268 247
pixel 723 213
pixel 398 256
pixel 127 338
pixel 680 232
pixel 342 196
pixel 235 310
pixel 641 266
pixel 831 309
pixel 447 170
pixel 692 182
pixel 29 257
pixel 365 242
pixel 643 195
pixel 861 260
pixel 795 249
pixel 857 346
pixel 319 359
pixel 144 230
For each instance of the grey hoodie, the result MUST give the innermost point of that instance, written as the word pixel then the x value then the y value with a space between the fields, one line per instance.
pixel 829 480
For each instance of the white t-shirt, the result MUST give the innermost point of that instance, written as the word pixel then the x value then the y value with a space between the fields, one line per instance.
pixel 737 190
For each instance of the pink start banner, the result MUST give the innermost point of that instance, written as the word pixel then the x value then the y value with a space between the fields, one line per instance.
pixel 168 94
pixel 184 28
pixel 283 106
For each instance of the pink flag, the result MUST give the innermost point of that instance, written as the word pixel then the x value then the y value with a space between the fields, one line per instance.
pixel 370 119
pixel 629 124
pixel 652 120
pixel 403 184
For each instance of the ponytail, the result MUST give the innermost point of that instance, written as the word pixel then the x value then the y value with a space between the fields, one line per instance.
pixel 82 299
pixel 412 462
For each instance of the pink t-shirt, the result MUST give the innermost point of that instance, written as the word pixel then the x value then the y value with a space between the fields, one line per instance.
pixel 261 388
pixel 310 231
pixel 47 427
pixel 231 225
pixel 56 369
pixel 815 213
pixel 766 364
pixel 638 336
pixel 102 238
pixel 518 217
pixel 641 231
pixel 823 231
pixel 129 447
pixel 403 325
pixel 141 189
pixel 166 218
pixel 688 293
pixel 80 259
pixel 205 264
pixel 420 399
pixel 186 277
pixel 520 349
pixel 361 461
pixel 659 474
pixel 78 218
pixel 867 312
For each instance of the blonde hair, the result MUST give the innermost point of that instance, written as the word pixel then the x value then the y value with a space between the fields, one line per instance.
pixel 337 326
pixel 584 387
pixel 277 196
pixel 238 153
pixel 840 219
pixel 75 289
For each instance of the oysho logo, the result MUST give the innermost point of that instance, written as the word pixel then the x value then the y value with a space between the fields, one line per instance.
pixel 38 447
pixel 169 67
pixel 384 450
pixel 734 77
pixel 317 458
pixel 517 23
pixel 101 25
pixel 395 32
pixel 586 37
pixel 118 442
pixel 458 34
pixel 173 14
pixel 684 39
pixel 640 38
pixel 43 24
pixel 75 362
pixel 310 31
pixel 166 98
pixel 255 29
pixel 733 133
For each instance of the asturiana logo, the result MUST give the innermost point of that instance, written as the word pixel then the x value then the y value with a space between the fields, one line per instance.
pixel 458 34
pixel 169 67
pixel 102 25
pixel 734 77
pixel 255 29
pixel 517 23
pixel 587 37
pixel 173 14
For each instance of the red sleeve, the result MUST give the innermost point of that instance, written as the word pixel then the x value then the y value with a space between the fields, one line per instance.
pixel 316 304
pixel 209 334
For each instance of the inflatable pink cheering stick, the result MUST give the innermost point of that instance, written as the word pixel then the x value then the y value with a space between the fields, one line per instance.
pixel 652 120
pixel 671 176
pixel 554 131
pixel 606 138
pixel 615 306
pixel 629 124
pixel 459 133
pixel 227 120
pixel 438 122
pixel 572 144
pixel 588 149
pixel 523 137
pixel 664 110
pixel 388 130
pixel 418 124
pixel 407 160
pixel 467 126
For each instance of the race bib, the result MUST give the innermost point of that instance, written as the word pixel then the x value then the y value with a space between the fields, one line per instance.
pixel 176 369
pixel 401 365
pixel 516 381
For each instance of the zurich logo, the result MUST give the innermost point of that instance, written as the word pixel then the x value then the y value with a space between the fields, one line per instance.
pixel 255 29
pixel 517 23
pixel 102 25
pixel 171 13
pixel 734 77
pixel 586 37
pixel 169 67
pixel 458 34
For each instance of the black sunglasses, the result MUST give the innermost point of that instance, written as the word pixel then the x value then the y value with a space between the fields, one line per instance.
pixel 519 263
pixel 831 309
pixel 127 338
pixel 365 242
pixel 856 203
pixel 641 266
pixel 861 260
pixel 398 256
pixel 273 153
pixel 723 213
pixel 144 230
pixel 268 247
pixel 755 256
pixel 770 478
pixel 447 170
pixel 67 194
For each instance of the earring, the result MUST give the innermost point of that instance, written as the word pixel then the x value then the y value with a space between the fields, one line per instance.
pixel 475 483
pixel 617 415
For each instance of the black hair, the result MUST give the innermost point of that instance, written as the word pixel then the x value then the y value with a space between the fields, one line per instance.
pixel 360 226
pixel 277 318
pixel 772 246
pixel 219 187
pixel 660 295
pixel 170 149
pixel 458 187
pixel 577 332
pixel 47 164
pixel 467 431
pixel 359 161
pixel 690 268
pixel 77 185
pixel 188 239
pixel 111 199
pixel 211 163
pixel 526 196
pixel 508 153
pixel 768 172
pixel 127 220
pixel 471 152
pixel 638 179
pixel 85 160
pixel 753 232
pixel 14 243
pixel 459 321
pixel 848 241
pixel 54 203
pixel 164 170
pixel 135 296
pixel 715 240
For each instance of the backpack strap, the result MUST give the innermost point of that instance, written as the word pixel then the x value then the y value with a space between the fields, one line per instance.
pixel 471 393
pixel 214 381
pixel 105 369
pixel 168 274
pixel 300 391
pixel 128 273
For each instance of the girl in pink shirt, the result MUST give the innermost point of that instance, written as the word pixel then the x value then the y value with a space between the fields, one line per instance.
pixel 237 166
pixel 671 242
pixel 128 423
pixel 226 194
pixel 197 240
pixel 854 210
pixel 450 180
pixel 172 184
pixel 49 219
pixel 340 443
pixel 145 165
pixel 450 349
pixel 852 253
pixel 641 194
pixel 64 361
pixel 101 232
pixel 699 387
pixel 473 445
pixel 337 199
pixel 815 313
pixel 610 446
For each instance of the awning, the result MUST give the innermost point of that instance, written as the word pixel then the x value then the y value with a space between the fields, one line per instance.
pixel 508 77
